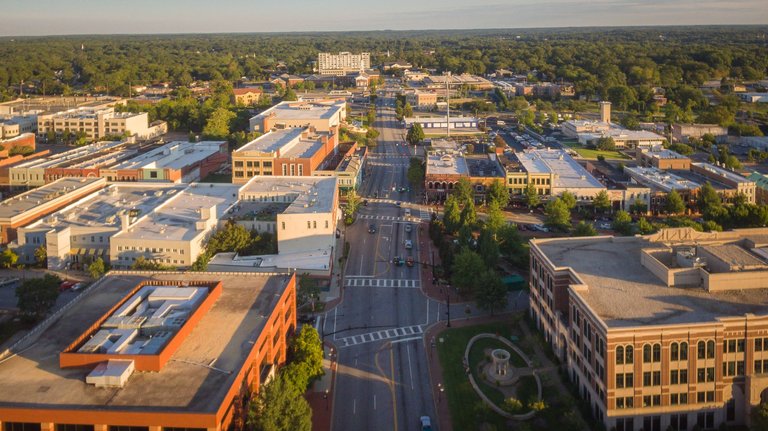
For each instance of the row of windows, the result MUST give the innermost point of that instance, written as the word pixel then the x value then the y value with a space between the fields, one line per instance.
pixel 149 249
pixel 677 352
pixel 312 224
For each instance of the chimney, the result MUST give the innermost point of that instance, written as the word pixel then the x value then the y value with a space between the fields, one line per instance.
pixel 605 112
pixel 124 221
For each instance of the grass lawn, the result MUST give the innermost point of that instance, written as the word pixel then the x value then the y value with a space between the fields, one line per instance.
pixel 467 410
pixel 588 153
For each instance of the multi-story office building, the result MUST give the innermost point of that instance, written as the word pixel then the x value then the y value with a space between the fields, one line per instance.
pixel 284 152
pixel 324 116
pixel 175 233
pixel 684 132
pixel 163 351
pixel 246 96
pixel 95 123
pixel 349 169
pixel 666 331
pixel 733 183
pixel 35 204
pixel 80 233
pixel 663 159
pixel 342 63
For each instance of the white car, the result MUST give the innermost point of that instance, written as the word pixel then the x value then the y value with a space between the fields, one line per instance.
pixel 408 244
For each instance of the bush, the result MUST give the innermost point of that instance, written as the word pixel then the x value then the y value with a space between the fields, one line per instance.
pixel 512 405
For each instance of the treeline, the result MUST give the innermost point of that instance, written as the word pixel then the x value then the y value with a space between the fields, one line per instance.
pixel 596 60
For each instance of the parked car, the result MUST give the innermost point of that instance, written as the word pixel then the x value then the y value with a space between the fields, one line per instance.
pixel 399 261
pixel 426 423
pixel 409 261
pixel 540 228
pixel 66 285
pixel 408 244
pixel 77 286
pixel 372 228
pixel 408 227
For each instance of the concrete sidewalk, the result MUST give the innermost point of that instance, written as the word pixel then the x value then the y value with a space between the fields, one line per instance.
pixel 320 395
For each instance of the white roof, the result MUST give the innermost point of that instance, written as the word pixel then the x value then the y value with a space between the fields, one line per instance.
pixel 661 180
pixel 568 173
pixel 174 155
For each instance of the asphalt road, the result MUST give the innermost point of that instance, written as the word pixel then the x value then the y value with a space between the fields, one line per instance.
pixel 382 381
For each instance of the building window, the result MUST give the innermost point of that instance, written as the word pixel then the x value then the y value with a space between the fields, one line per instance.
pixel 652 353
pixel 679 422
pixel 705 420
pixel 314 224
pixel 326 224
pixel 73 427
pixel 309 224
pixel 283 225
pixel 619 355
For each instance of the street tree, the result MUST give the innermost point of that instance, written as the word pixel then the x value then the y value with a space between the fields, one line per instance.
pixel 451 215
pixel 491 293
pixel 464 192
pixel 218 124
pixel 416 171
pixel 495 219
pixel 488 248
pixel 36 296
pixel 584 229
pixel 602 202
pixel 280 406
pixel 638 207
pixel 8 258
pixel 606 144
pixel 498 193
pixel 644 227
pixel 674 204
pixel 622 223
pixel 407 110
pixel 309 291
pixel 41 256
pixel 468 215
pixel 557 215
pixel 569 199
pixel 97 268
pixel 415 134
pixel 532 197
pixel 759 416
pixel 289 95
pixel 708 200
pixel 305 357
pixel 467 266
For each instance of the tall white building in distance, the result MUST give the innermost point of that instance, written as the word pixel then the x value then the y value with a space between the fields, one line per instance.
pixel 342 63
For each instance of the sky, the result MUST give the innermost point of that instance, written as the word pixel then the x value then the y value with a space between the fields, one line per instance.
pixel 61 17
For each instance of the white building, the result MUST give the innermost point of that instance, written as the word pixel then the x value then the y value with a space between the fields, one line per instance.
pixel 342 63
pixel 95 123
pixel 324 116
pixel 175 232
pixel 566 173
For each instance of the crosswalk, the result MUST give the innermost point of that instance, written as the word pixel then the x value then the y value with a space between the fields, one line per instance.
pixel 381 282
pixel 381 217
pixel 425 215
pixel 384 334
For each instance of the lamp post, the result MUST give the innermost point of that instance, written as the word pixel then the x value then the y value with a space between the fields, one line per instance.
pixel 325 396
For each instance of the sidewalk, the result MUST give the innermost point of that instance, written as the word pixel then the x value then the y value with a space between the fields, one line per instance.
pixel 320 395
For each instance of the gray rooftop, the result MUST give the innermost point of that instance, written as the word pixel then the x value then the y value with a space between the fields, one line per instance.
pixel 196 378
pixel 660 180
pixel 569 173
pixel 174 155
pixel 272 142
pixel 303 110
pixel 625 294
pixel 446 164
pixel 300 194
pixel 34 198
pixel 721 172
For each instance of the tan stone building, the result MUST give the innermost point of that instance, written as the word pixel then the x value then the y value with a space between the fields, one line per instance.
pixel 246 96
pixel 666 331
pixel 663 159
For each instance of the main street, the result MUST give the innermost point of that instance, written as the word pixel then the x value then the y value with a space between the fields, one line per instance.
pixel 382 381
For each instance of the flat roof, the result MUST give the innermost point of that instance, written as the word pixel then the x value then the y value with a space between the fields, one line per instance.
pixel 173 155
pixel 99 210
pixel 724 173
pixel 304 110
pixel 734 255
pixel 74 156
pixel 484 166
pixel 176 218
pixel 198 375
pixel 664 154
pixel 446 164
pixel 568 173
pixel 272 141
pixel 662 180
pixel 302 194
pixel 624 293
pixel 42 195
pixel 314 260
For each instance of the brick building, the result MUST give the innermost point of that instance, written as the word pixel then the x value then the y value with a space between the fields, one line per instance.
pixel 191 349
pixel 666 331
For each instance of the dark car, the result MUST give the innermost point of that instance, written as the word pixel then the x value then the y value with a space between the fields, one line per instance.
pixel 365 202
pixel 399 261
pixel 372 228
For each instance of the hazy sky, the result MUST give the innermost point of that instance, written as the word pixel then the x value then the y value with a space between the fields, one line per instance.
pixel 47 17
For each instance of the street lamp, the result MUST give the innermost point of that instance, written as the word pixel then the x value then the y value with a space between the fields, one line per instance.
pixel 325 396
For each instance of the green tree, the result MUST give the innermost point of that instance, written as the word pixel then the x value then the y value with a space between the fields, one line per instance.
pixel 468 215
pixel 451 215
pixel 97 269
pixel 309 291
pixel 415 134
pixel 584 229
pixel 305 357
pixel 467 266
pixel 491 293
pixel 463 191
pixel 644 227
pixel 495 220
pixel 290 95
pixel 407 110
pixel 602 202
pixel 217 125
pixel 759 416
pixel 638 207
pixel 606 144
pixel 569 199
pixel 280 406
pixel 557 215
pixel 41 256
pixel 708 200
pixel 416 171
pixel 36 296
pixel 232 237
pixel 674 203
pixel 144 264
pixel 8 258
pixel 488 248
pixel 622 223
pixel 353 203
pixel 498 193
pixel 532 197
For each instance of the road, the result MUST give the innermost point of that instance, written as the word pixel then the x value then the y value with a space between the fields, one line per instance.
pixel 382 381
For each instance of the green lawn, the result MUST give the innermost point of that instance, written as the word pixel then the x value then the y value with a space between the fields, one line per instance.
pixel 592 154
pixel 467 410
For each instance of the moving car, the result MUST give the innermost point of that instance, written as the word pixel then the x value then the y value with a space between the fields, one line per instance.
pixel 426 423
pixel 399 261
pixel 408 244
pixel 408 227
pixel 372 228
pixel 409 261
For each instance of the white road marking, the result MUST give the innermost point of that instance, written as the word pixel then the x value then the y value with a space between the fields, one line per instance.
pixel 374 402
pixel 410 370
pixel 354 406
pixel 403 340
pixel 385 334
